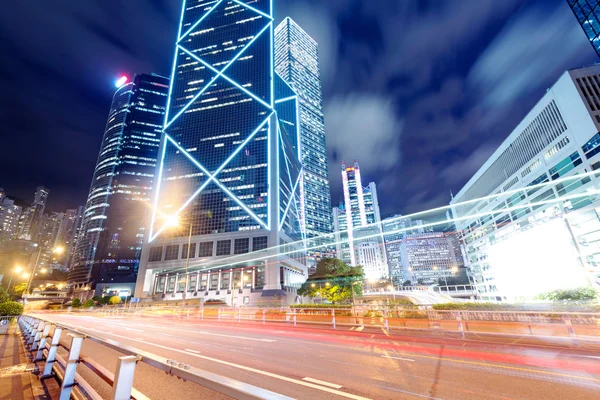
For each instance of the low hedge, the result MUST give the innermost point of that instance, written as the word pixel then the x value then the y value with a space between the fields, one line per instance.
pixel 347 306
pixel 475 306
pixel 11 308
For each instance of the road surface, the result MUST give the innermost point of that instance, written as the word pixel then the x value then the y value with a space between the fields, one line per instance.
pixel 305 363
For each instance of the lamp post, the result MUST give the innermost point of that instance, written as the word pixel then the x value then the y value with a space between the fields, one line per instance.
pixel 320 289
pixel 391 289
pixel 15 271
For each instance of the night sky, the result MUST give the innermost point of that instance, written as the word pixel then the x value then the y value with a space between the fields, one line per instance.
pixel 421 92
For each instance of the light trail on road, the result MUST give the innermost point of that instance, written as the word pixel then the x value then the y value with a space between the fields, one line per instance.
pixel 305 364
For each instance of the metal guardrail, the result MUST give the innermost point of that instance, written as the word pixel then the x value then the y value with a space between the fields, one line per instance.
pixel 43 338
pixel 569 326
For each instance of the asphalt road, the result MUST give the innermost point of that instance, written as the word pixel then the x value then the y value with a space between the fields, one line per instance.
pixel 305 363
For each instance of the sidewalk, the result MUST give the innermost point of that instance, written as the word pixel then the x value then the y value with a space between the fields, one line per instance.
pixel 17 379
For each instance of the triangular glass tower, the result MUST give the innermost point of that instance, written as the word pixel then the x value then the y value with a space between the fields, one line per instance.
pixel 229 172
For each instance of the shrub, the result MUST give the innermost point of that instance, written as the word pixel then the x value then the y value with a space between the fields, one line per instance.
pixel 321 306
pixel 76 303
pixel 414 314
pixel 89 303
pixel 473 306
pixel 373 313
pixel 114 300
pixel 11 308
pixel 584 293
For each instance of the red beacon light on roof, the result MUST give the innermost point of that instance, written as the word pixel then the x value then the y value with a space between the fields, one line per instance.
pixel 121 81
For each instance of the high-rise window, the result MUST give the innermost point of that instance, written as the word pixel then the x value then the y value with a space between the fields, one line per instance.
pixel 223 247
pixel 114 222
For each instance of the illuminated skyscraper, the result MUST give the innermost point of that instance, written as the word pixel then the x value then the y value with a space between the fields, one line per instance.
pixel 230 170
pixel 588 16
pixel 297 62
pixel 9 218
pixel 356 223
pixel 113 227
pixel 33 216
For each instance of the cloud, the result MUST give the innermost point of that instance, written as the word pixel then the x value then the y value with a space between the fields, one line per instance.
pixel 531 47
pixel 463 169
pixel 364 127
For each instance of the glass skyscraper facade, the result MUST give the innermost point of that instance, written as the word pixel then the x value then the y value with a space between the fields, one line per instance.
pixel 358 234
pixel 113 227
pixel 230 170
pixel 297 62
pixel 587 13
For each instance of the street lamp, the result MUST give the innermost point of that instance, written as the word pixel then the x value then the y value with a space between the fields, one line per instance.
pixel 15 271
pixel 320 289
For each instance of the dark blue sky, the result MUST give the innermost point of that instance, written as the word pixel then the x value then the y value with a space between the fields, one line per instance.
pixel 420 92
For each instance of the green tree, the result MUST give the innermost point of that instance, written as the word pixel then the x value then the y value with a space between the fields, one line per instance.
pixel 11 308
pixel 19 289
pixel 114 300
pixel 584 293
pixel 333 281
pixel 4 296
pixel 76 303
pixel 88 303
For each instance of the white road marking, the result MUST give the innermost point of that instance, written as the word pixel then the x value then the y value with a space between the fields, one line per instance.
pixel 193 351
pixel 333 385
pixel 131 329
pixel 164 334
pixel 243 367
pixel 399 358
pixel 236 337
pixel 215 334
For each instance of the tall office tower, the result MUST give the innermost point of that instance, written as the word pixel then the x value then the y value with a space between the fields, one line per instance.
pixel 230 169
pixel 394 231
pixel 531 219
pixel 113 226
pixel 9 218
pixel 428 257
pixel 47 237
pixel 357 225
pixel 67 234
pixel 33 216
pixel 588 16
pixel 297 62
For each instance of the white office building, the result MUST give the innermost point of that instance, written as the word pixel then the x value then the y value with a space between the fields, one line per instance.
pixel 538 229
pixel 356 223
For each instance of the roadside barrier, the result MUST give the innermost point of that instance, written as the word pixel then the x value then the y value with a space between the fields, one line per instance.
pixel 43 338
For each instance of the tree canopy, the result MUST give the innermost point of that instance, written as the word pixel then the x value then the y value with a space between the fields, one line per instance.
pixel 333 281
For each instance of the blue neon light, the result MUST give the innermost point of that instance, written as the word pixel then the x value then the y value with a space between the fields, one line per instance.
pixel 211 177
pixel 174 67
pixel 168 120
pixel 198 22
pixel 207 65
pixel 286 99
pixel 253 9
pixel 219 74
pixel 160 172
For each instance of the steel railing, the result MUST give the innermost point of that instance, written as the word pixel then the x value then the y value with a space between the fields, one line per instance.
pixel 43 338
pixel 564 326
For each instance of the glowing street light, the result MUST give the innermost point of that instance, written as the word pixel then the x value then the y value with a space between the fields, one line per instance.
pixel 56 250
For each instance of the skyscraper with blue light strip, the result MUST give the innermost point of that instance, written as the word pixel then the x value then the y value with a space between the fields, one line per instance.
pixel 109 246
pixel 229 173
pixel 297 62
